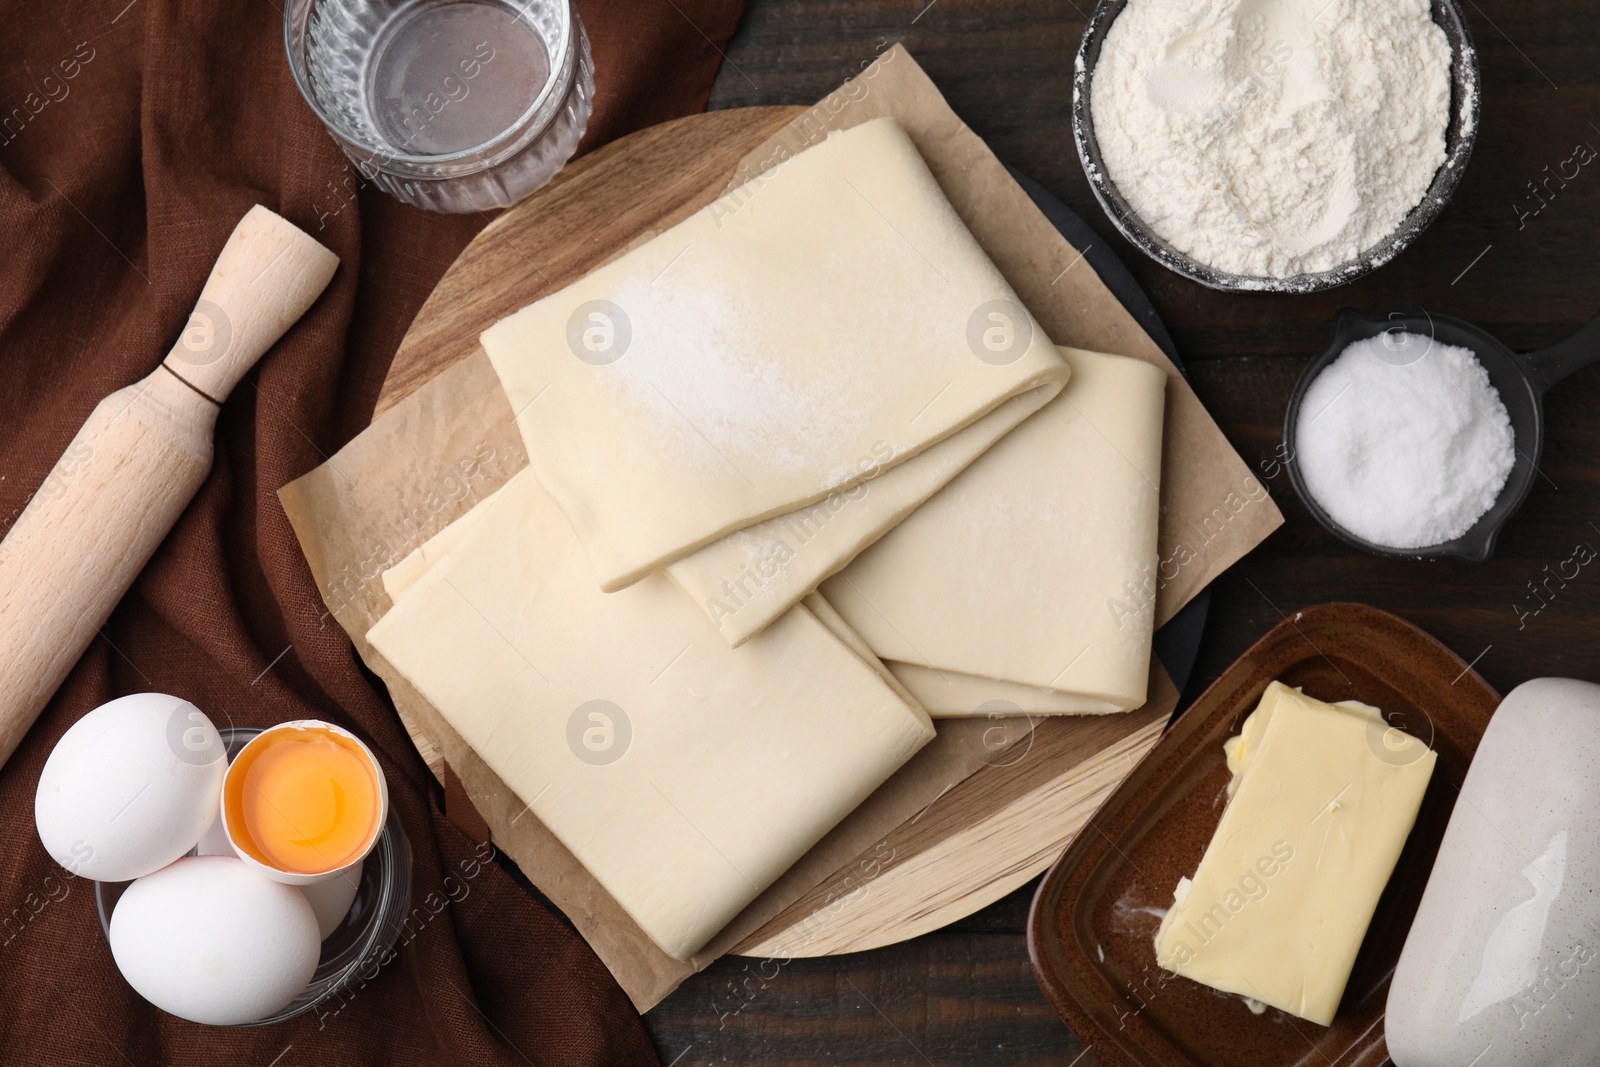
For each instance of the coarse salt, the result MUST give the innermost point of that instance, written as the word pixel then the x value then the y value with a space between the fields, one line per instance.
pixel 1404 441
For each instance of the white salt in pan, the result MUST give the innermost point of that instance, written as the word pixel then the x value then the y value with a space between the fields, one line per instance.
pixel 1404 441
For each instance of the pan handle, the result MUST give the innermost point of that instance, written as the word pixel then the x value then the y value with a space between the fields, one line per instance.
pixel 1550 365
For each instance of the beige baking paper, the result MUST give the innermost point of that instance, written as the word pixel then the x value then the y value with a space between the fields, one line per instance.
pixel 452 442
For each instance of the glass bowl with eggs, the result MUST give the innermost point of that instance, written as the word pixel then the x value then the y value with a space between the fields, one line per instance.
pixel 1274 145
pixel 242 876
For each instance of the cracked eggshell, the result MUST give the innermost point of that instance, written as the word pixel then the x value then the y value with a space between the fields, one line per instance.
pixel 130 787
pixel 210 940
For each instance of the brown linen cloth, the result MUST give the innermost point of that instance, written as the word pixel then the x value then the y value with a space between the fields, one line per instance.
pixel 133 136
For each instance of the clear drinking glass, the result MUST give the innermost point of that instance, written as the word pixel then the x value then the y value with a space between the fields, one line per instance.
pixel 450 105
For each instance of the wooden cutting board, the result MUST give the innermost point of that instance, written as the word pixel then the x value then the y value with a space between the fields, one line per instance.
pixel 987 835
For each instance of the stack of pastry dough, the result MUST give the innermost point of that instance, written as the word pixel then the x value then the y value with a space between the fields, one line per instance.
pixel 820 382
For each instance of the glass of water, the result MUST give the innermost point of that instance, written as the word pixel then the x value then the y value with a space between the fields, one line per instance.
pixel 450 105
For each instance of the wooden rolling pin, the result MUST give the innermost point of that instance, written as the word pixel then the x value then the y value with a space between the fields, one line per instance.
pixel 136 464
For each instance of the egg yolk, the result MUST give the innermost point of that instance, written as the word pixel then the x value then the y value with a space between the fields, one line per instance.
pixel 306 800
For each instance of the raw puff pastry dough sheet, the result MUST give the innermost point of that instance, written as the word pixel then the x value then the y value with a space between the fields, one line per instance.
pixel 829 319
pixel 745 580
pixel 685 775
pixel 1034 567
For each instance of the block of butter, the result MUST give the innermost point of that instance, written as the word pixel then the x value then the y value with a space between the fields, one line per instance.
pixel 1321 802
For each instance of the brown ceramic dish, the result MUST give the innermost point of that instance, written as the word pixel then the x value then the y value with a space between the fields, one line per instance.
pixel 1094 918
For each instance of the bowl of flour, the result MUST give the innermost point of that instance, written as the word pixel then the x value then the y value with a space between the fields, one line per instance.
pixel 1274 145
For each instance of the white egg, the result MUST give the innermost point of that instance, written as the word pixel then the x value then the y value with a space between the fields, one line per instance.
pixel 209 940
pixel 332 897
pixel 130 787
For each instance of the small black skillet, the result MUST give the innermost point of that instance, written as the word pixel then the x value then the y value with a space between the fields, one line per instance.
pixel 1522 379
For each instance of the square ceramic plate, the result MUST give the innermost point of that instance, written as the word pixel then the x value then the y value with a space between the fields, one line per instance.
pixel 1092 926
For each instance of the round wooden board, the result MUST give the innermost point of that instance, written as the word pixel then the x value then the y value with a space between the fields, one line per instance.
pixel 987 835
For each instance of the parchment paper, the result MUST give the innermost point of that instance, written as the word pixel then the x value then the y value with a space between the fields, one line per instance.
pixel 452 442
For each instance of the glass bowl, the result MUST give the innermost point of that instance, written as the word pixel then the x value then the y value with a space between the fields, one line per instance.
pixel 363 942
pixel 1459 137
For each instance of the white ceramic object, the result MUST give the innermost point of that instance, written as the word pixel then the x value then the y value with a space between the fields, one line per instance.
pixel 130 787
pixel 212 941
pixel 1502 965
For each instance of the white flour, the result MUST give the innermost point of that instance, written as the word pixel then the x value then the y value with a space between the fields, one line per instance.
pixel 1271 138
pixel 1404 441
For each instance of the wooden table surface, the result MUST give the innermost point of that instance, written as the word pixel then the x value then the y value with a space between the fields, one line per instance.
pixel 965 995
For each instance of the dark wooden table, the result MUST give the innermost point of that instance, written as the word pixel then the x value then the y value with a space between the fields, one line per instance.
pixel 964 995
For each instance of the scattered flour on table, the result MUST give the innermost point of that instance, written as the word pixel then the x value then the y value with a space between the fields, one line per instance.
pixel 1403 451
pixel 1272 138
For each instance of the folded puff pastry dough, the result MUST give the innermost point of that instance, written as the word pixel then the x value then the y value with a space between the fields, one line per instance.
pixel 1034 567
pixel 685 775
pixel 745 580
pixel 823 323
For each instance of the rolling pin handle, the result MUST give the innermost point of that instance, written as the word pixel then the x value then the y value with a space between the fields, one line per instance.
pixel 268 274
pixel 136 463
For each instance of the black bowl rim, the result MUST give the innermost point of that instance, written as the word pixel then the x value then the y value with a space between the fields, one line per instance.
pixel 1466 98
